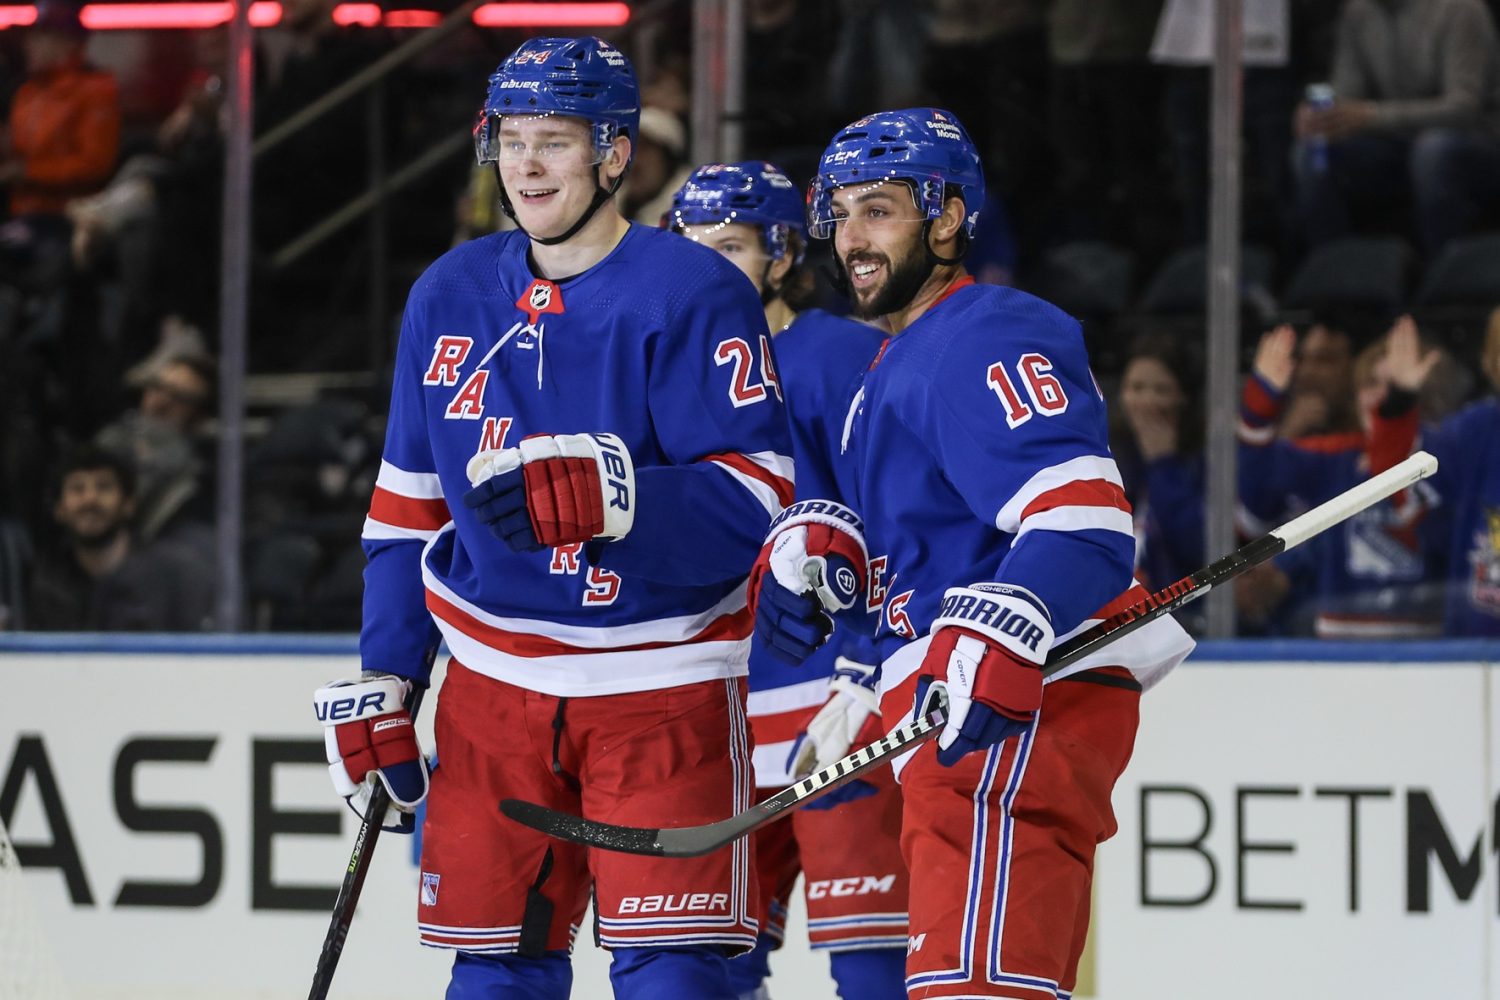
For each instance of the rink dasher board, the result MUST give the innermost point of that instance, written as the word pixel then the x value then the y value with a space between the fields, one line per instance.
pixel 1268 754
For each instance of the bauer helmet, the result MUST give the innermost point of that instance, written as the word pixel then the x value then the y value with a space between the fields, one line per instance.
pixel 585 78
pixel 753 192
pixel 926 147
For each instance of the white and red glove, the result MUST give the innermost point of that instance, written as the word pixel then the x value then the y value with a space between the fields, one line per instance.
pixel 368 731
pixel 850 717
pixel 813 562
pixel 989 642
pixel 554 490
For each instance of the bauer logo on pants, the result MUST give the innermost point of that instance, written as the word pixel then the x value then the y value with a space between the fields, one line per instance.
pixel 429 888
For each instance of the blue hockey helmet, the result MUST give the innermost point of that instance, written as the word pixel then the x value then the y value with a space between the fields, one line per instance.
pixel 926 147
pixel 753 192
pixel 585 78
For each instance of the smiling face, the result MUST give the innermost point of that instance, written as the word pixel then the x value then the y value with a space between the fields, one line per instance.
pixel 550 172
pixel 92 506
pixel 1148 388
pixel 878 240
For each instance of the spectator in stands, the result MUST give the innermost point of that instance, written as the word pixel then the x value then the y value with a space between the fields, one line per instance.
pixel 164 439
pixel 1161 457
pixel 1361 579
pixel 1460 505
pixel 1321 400
pixel 1184 45
pixel 64 130
pixel 786 50
pixel 300 60
pixel 154 230
pixel 986 61
pixel 1415 113
pixel 1106 124
pixel 61 143
pixel 101 579
pixel 889 34
pixel 658 169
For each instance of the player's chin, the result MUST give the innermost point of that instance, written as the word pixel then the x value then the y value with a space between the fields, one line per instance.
pixel 544 226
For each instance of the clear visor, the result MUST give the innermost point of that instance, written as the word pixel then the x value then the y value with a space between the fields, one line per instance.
pixel 493 143
pixel 926 194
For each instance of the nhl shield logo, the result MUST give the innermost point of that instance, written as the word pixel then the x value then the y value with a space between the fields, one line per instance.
pixel 430 888
pixel 541 297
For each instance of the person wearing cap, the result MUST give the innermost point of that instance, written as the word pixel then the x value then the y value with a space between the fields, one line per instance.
pixel 64 132
pixel 586 446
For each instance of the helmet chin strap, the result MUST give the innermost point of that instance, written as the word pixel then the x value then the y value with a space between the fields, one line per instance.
pixel 767 293
pixel 601 195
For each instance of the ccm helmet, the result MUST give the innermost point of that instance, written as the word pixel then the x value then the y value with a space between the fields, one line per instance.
pixel 925 147
pixel 753 192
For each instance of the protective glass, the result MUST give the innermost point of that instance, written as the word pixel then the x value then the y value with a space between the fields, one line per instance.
pixel 490 146
pixel 926 195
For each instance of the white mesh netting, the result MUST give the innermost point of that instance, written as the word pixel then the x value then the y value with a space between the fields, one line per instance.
pixel 28 967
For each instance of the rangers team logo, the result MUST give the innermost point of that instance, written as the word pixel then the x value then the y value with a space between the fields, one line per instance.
pixel 430 888
pixel 1484 584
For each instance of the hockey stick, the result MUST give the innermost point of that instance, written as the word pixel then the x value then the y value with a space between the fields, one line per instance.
pixel 691 841
pixel 359 867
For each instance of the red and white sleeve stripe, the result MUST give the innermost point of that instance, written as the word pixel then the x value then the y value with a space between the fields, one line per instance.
pixel 406 505
pixel 766 474
pixel 1078 495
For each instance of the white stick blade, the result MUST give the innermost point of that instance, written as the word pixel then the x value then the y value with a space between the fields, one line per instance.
pixel 1417 466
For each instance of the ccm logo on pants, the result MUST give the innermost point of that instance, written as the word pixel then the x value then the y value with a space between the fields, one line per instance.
pixel 857 885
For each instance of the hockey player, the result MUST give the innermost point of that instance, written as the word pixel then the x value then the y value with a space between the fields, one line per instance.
pixel 996 527
pixel 808 715
pixel 586 446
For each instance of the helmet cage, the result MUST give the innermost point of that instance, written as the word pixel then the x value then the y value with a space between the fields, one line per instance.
pixel 927 193
pixel 487 133
pixel 749 194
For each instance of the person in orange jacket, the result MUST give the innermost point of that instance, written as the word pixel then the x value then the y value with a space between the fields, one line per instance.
pixel 64 130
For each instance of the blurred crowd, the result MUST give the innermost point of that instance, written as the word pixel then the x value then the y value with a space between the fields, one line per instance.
pixel 1371 272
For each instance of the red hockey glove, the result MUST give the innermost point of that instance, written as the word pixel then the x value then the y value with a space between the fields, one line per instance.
pixel 988 644
pixel 368 731
pixel 554 490
pixel 814 563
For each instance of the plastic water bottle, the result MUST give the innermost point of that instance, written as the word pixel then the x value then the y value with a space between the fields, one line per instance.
pixel 1320 98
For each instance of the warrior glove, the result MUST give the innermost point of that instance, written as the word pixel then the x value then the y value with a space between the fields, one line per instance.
pixel 813 563
pixel 554 490
pixel 989 642
pixel 368 733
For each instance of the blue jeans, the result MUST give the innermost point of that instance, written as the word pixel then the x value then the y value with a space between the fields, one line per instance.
pixel 1449 177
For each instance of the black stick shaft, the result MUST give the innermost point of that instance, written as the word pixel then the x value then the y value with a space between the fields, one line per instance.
pixel 354 876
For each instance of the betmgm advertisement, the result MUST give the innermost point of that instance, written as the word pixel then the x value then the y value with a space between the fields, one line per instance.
pixel 1289 826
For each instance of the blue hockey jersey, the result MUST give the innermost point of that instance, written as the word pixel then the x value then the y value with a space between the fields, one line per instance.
pixel 1465 526
pixel 821 359
pixel 662 343
pixel 980 441
pixel 1361 579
